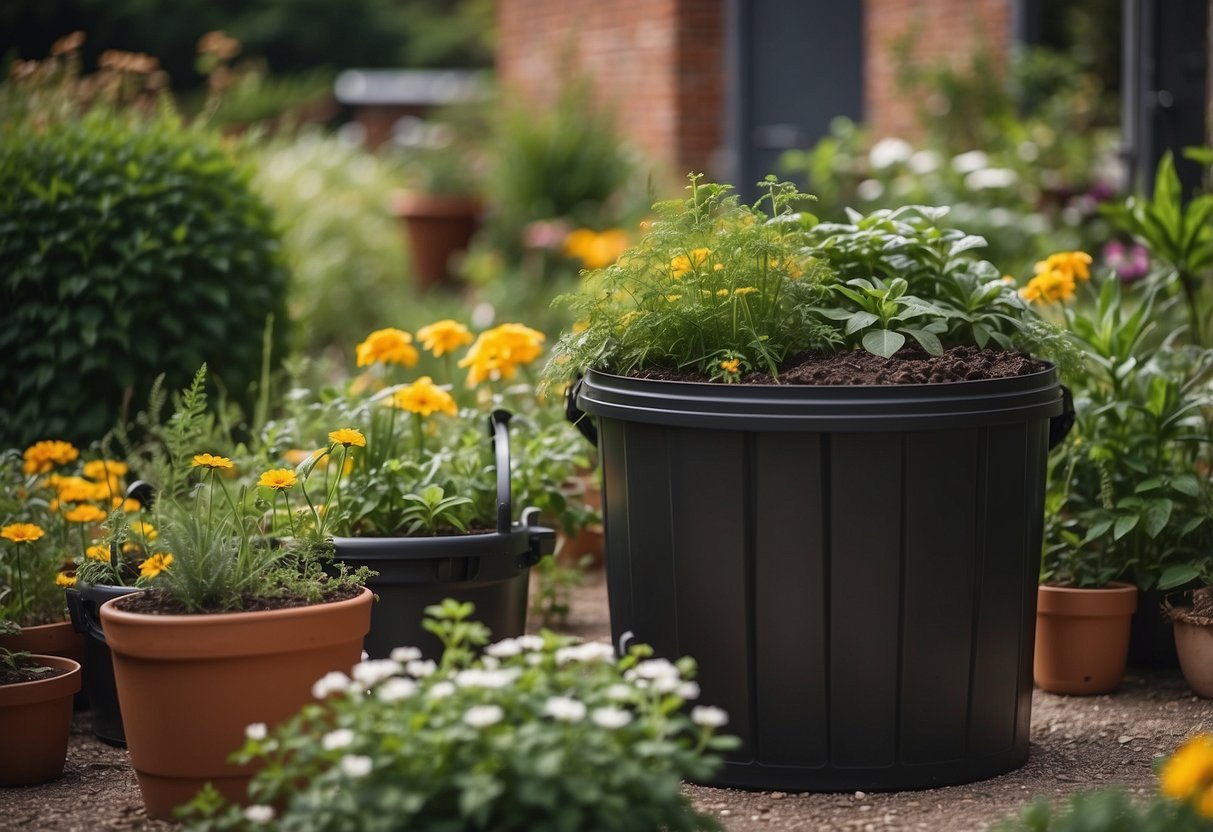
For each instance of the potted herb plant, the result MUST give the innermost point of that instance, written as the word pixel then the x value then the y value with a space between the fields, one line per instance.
pixel 1194 637
pixel 236 630
pixel 823 471
pixel 539 733
pixel 35 715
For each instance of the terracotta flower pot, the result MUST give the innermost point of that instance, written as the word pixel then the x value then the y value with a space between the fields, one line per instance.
pixel 58 639
pixel 437 226
pixel 1194 643
pixel 188 686
pixel 1082 637
pixel 35 721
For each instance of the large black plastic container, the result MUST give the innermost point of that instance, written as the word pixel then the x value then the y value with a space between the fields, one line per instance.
pixel 491 570
pixel 854 568
pixel 83 601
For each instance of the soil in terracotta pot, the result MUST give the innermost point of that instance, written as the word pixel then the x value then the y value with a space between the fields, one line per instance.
pixel 14 676
pixel 907 366
pixel 1201 611
pixel 158 602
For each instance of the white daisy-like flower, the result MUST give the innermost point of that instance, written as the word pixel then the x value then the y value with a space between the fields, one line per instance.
pixel 396 688
pixel 258 813
pixel 494 679
pixel 530 642
pixel 709 716
pixel 969 162
pixel 441 690
pixel 924 161
pixel 504 649
pixel 564 709
pixel 986 178
pixel 331 682
pixel 404 655
pixel 590 651
pixel 688 690
pixel 356 765
pixel 619 692
pixel 657 669
pixel 666 684
pixel 482 716
pixel 374 671
pixel 420 668
pixel 256 731
pixel 490 662
pixel 611 718
pixel 888 152
pixel 341 738
pixel 363 656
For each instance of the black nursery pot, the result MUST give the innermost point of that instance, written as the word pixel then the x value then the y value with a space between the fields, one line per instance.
pixel 83 602
pixel 854 568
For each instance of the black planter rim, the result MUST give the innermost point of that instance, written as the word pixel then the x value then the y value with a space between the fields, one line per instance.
pixel 487 544
pixel 875 407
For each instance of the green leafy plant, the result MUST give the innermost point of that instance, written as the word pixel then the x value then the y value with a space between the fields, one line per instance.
pixel 538 733
pixel 130 245
pixel 19 666
pixel 432 509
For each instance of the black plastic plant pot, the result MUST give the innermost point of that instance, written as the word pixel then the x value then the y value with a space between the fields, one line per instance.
pixel 854 568
pixel 491 569
pixel 83 602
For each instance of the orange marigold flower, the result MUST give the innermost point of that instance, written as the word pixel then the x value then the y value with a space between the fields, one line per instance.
pixel 596 249
pixel 43 456
pixel 1190 769
pixel 101 553
pixel 347 437
pixel 499 351
pixel 86 513
pixel 278 479
pixel 104 469
pixel 444 336
pixel 732 366
pixel 154 565
pixel 1071 264
pixel 424 397
pixel 388 346
pixel 130 505
pixel 64 579
pixel 211 461
pixel 21 532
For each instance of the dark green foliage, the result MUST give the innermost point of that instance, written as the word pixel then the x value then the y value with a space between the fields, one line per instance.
pixel 1108 811
pixel 127 248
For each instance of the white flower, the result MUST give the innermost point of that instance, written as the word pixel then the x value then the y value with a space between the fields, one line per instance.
pixel 495 679
pixel 709 716
pixel 657 669
pixel 420 668
pixel 340 738
pixel 688 690
pixel 504 648
pixel 441 690
pixel 888 152
pixel 534 659
pixel 331 682
pixel 395 689
pixel 363 656
pixel 564 709
pixel 482 716
pixel 258 813
pixel 490 662
pixel 869 190
pixel 666 684
pixel 530 642
pixel 256 731
pixel 356 765
pixel 611 718
pixel 969 162
pixel 924 161
pixel 370 673
pixel 619 693
pixel 980 180
pixel 590 651
pixel 404 655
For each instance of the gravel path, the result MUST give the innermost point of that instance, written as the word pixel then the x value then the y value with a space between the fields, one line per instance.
pixel 1077 743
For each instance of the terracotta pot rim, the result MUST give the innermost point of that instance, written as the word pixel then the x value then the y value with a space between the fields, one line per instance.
pixel 44 690
pixel 422 204
pixel 1115 598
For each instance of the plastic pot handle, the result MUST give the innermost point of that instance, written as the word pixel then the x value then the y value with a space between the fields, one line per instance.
pixel 542 540
pixel 582 420
pixel 1059 425
pixel 499 430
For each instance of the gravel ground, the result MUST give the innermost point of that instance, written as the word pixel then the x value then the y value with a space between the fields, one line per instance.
pixel 1077 743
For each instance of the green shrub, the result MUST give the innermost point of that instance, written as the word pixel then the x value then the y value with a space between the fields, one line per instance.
pixel 129 247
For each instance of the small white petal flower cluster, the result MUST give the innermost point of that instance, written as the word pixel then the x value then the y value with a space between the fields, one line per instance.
pixel 256 731
pixel 395 689
pixel 404 655
pixel 564 709
pixel 332 682
pixel 475 677
pixel 709 716
pixel 258 813
pixel 589 651
pixel 420 668
pixel 611 718
pixel 372 672
pixel 356 765
pixel 660 674
pixel 482 716
pixel 341 738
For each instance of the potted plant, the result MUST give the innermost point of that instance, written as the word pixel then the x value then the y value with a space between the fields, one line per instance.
pixel 781 530
pixel 539 733
pixel 235 631
pixel 1194 637
pixel 35 715
pixel 427 502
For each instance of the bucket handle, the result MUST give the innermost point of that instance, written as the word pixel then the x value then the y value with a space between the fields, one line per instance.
pixel 580 419
pixel 1059 425
pixel 499 430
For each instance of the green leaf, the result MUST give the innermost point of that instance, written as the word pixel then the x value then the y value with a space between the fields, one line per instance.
pixel 1177 575
pixel 860 320
pixel 883 342
pixel 929 342
pixel 1125 524
pixel 1156 516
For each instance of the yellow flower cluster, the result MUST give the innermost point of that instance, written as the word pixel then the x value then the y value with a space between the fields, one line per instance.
pixel 85 513
pixel 21 532
pixel 500 351
pixel 388 346
pixel 445 336
pixel 347 437
pixel 1057 277
pixel 684 264
pixel 154 565
pixel 65 580
pixel 596 249
pixel 45 455
pixel 424 397
pixel 101 553
pixel 1188 775
pixel 278 479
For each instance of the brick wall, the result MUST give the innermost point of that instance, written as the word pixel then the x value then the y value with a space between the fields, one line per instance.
pixel 658 63
pixel 946 30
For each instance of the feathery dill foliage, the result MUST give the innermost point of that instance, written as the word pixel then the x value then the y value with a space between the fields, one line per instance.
pixel 715 285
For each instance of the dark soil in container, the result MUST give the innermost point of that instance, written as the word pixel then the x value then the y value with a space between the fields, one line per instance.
pixel 158 602
pixel 15 676
pixel 859 367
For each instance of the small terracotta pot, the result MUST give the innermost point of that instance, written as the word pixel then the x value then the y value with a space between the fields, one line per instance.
pixel 1194 643
pixel 436 226
pixel 188 686
pixel 58 639
pixel 1082 637
pixel 589 541
pixel 35 721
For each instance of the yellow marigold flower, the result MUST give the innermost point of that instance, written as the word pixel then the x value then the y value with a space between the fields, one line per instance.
pixel 745 290
pixel 104 469
pixel 145 530
pixel 211 461
pixel 722 293
pixel 685 263
pixel 498 352
pixel 21 532
pixel 101 553
pixel 596 249
pixel 86 513
pixel 80 490
pixel 1190 769
pixel 1204 806
pixel 444 336
pixel 1049 287
pixel 64 579
pixel 1072 264
pixel 388 346
pixel 43 456
pixel 154 565
pixel 130 505
pixel 731 366
pixel 347 437
pixel 424 397
pixel 278 479
pixel 673 298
